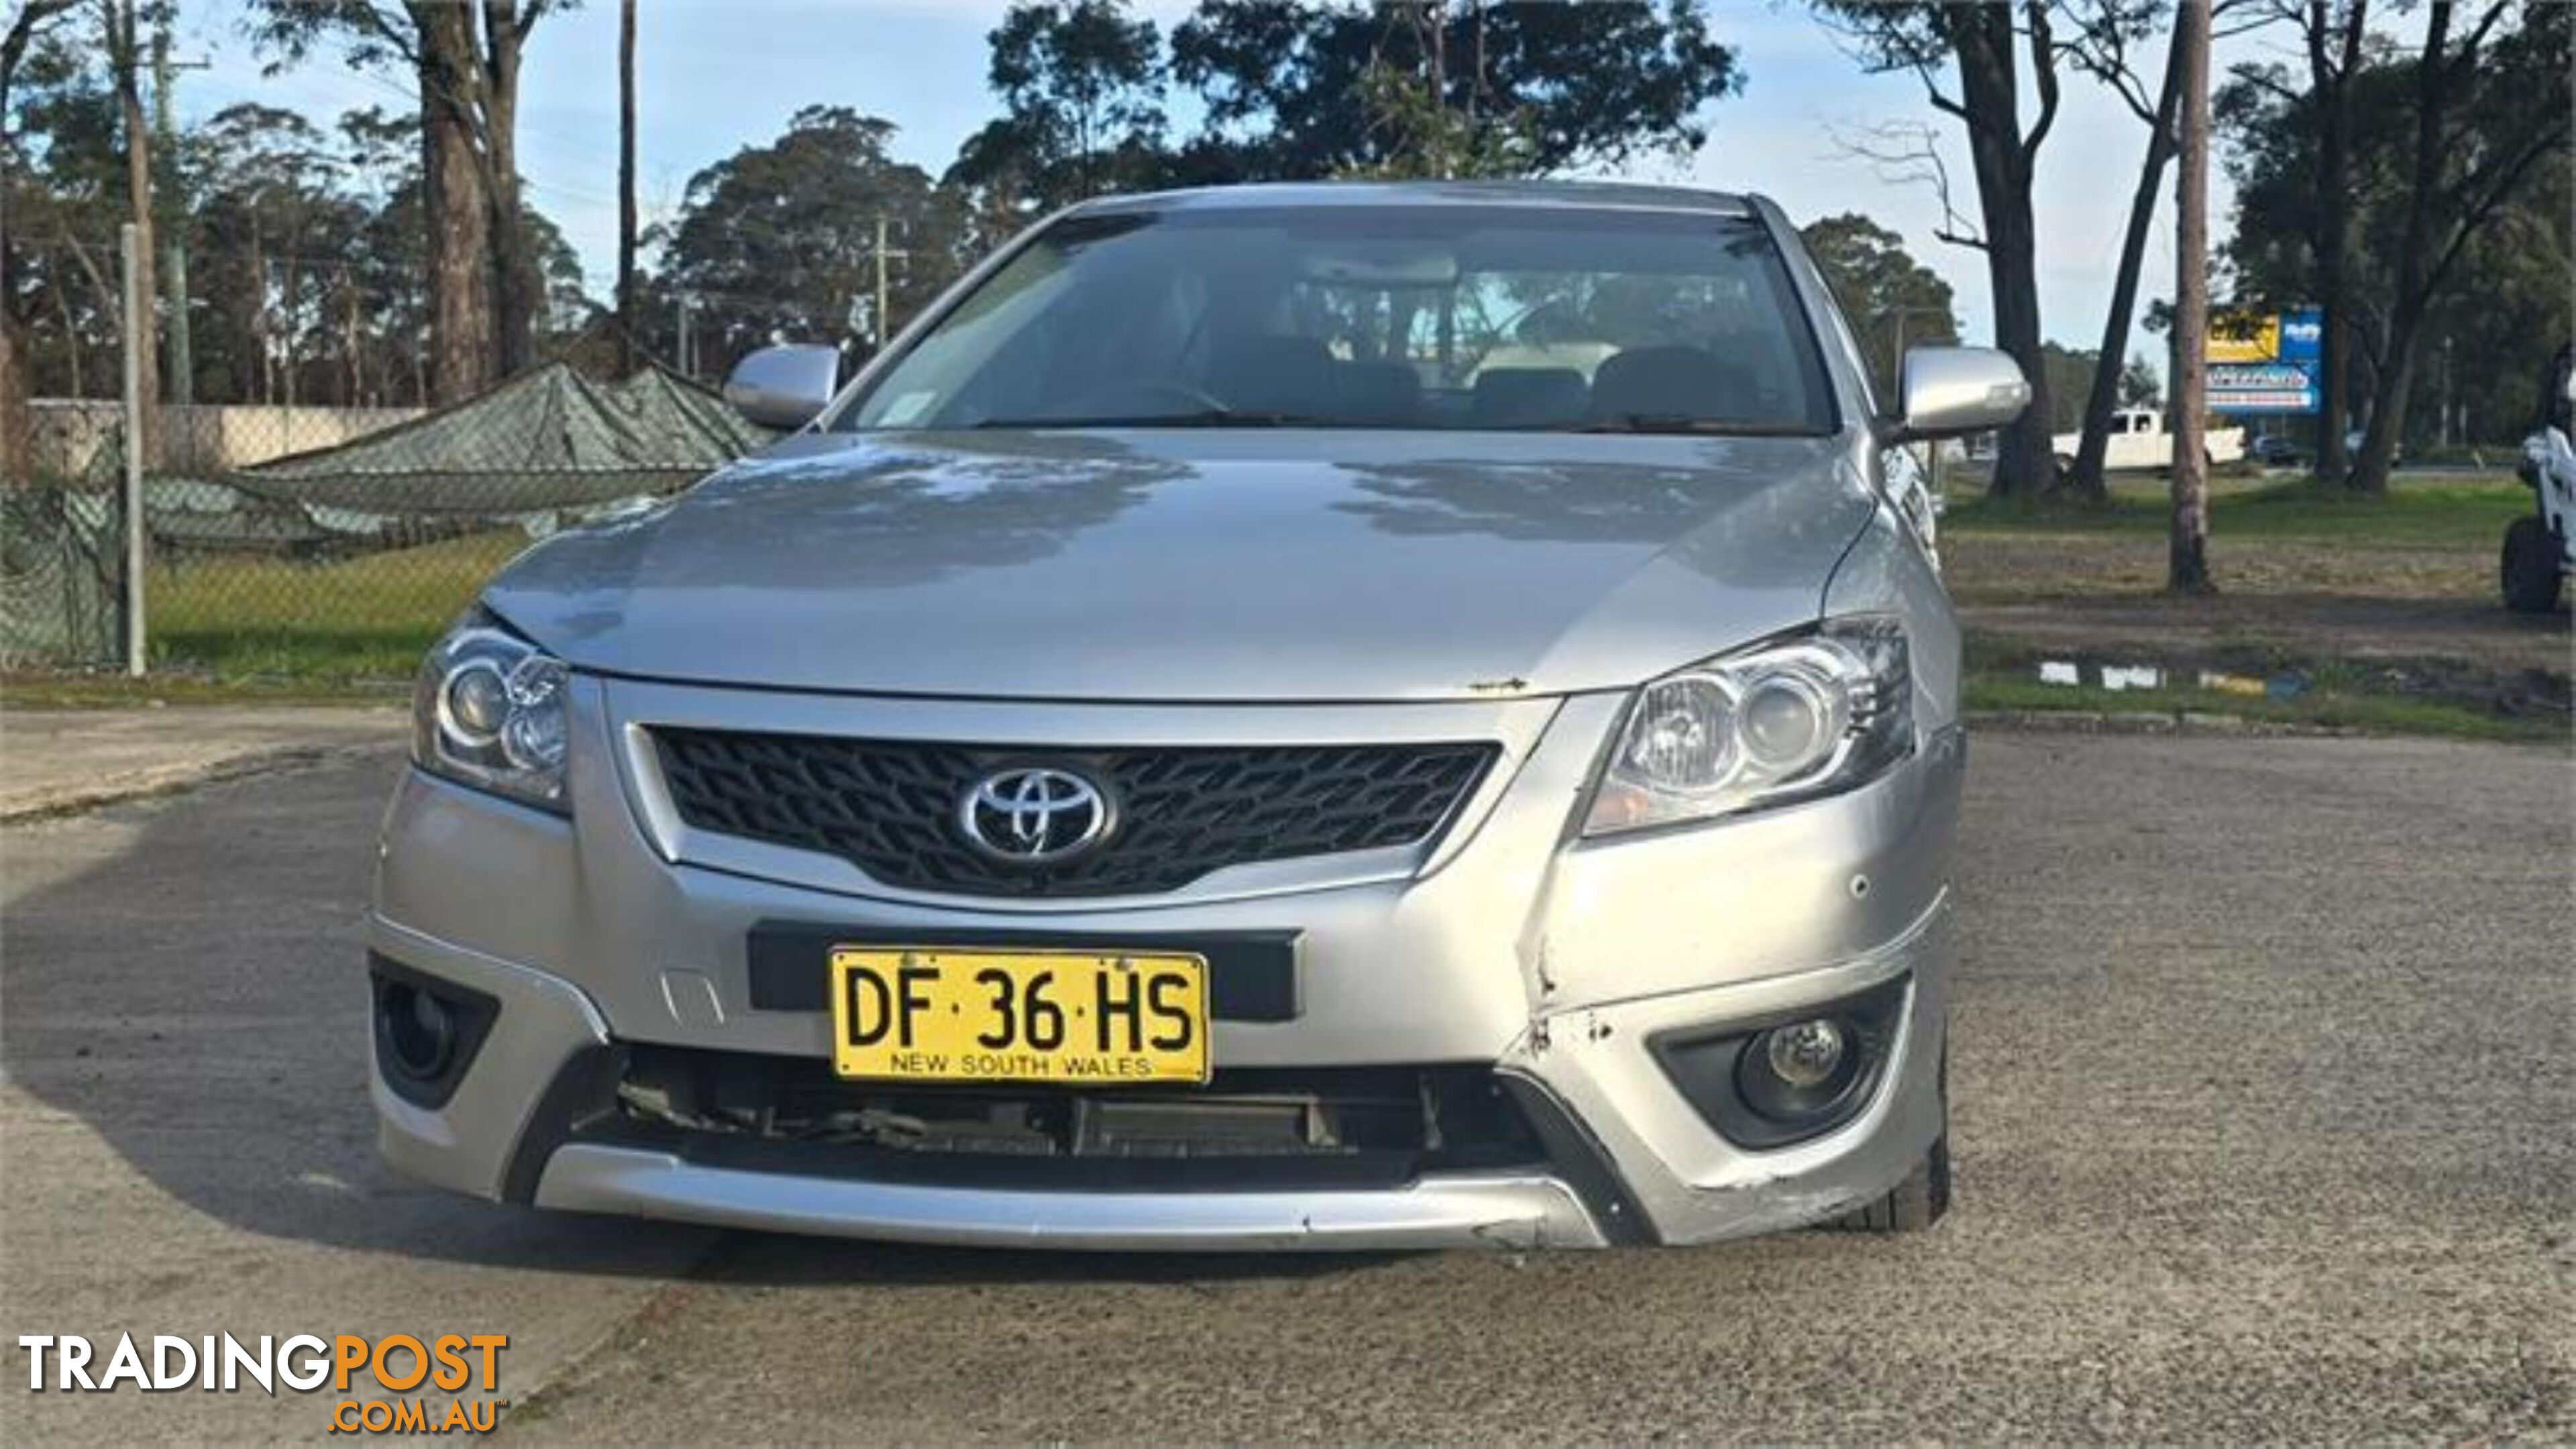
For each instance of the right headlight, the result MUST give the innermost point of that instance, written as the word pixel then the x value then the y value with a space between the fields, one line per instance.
pixel 1788 720
pixel 488 711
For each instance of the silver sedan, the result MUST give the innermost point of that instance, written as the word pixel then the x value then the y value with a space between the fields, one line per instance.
pixel 1314 716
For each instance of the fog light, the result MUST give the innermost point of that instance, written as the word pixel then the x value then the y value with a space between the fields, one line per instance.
pixel 1807 1055
pixel 420 1030
pixel 1803 1072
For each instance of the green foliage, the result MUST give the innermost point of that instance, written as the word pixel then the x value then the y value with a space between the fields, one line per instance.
pixel 2506 306
pixel 1081 87
pixel 306 248
pixel 2070 375
pixel 778 241
pixel 2139 385
pixel 1892 300
pixel 62 192
pixel 1419 136
pixel 1587 85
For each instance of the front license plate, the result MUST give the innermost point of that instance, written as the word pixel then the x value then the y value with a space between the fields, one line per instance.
pixel 1073 1018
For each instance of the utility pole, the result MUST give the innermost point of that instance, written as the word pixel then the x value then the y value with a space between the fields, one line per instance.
pixel 883 321
pixel 2187 560
pixel 138 357
pixel 181 381
pixel 627 320
pixel 688 362
pixel 2446 390
pixel 125 61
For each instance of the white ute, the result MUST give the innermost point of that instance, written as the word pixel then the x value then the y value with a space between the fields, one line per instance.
pixel 2139 440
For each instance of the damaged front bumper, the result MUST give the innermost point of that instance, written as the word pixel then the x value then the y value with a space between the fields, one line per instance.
pixel 1551 966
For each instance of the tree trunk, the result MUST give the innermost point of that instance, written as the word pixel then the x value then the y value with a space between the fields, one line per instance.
pixel 1983 41
pixel 460 254
pixel 2333 56
pixel 2187 557
pixel 17 457
pixel 124 50
pixel 627 319
pixel 2094 447
pixel 2396 372
pixel 518 291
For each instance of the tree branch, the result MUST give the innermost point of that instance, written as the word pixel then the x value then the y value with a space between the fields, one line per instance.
pixel 1907 153
pixel 2043 65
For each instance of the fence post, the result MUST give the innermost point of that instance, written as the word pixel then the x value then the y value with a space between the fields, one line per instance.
pixel 138 335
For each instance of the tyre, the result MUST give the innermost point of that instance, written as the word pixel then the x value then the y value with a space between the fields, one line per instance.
pixel 1912 1205
pixel 2530 567
pixel 1923 1198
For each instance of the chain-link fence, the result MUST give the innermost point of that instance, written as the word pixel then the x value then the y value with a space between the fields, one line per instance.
pixel 62 570
pixel 320 526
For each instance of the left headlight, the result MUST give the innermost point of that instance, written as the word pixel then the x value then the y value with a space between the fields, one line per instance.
pixel 488 711
pixel 1789 720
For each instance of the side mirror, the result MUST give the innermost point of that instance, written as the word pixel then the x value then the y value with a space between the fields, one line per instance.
pixel 1949 391
pixel 784 386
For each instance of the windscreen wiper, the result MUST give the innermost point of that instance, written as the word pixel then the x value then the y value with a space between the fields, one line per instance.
pixel 1678 423
pixel 1205 418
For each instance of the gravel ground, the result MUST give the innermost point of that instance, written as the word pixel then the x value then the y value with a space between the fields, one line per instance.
pixel 2265 1120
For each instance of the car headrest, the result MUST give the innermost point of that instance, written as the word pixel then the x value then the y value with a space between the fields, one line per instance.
pixel 1380 392
pixel 1687 382
pixel 1520 397
pixel 1275 373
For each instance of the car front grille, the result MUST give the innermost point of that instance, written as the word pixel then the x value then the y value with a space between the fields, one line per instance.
pixel 891 807
pixel 1318 1127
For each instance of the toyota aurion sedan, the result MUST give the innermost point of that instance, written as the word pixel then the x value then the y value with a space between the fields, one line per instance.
pixel 1284 717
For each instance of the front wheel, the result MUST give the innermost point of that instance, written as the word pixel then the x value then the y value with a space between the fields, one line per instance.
pixel 2530 567
pixel 1923 1198
pixel 1913 1205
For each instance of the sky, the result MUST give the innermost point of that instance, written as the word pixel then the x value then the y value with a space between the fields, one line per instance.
pixel 716 75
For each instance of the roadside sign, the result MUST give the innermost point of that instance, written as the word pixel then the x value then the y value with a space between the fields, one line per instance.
pixel 2265 362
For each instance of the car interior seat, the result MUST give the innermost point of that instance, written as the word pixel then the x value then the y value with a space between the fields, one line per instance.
pixel 1527 397
pixel 1673 381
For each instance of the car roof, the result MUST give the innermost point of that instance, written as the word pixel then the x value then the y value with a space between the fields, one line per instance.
pixel 1578 195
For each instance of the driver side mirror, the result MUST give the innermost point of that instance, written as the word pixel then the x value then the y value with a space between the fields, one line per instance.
pixel 785 386
pixel 1949 391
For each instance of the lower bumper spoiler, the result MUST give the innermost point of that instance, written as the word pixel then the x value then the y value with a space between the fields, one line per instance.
pixel 1510 1212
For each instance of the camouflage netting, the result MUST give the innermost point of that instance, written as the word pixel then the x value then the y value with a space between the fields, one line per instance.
pixel 540 452
pixel 61 566
pixel 536 452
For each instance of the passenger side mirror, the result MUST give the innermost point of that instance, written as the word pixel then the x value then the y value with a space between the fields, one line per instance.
pixel 784 386
pixel 1950 391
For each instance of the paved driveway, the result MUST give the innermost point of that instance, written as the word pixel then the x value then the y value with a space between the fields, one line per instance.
pixel 2265 1069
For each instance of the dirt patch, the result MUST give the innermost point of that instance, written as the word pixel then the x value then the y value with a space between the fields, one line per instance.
pixel 2406 611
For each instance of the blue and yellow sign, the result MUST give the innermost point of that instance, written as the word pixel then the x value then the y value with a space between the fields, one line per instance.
pixel 2265 362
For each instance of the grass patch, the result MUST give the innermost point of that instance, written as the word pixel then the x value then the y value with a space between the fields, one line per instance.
pixel 320 623
pixel 2434 512
pixel 2322 707
pixel 74 690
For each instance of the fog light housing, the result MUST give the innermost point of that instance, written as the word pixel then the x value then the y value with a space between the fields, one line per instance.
pixel 1786 1079
pixel 420 1030
pixel 427 1031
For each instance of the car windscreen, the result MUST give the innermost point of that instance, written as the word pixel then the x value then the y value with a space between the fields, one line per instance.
pixel 1530 318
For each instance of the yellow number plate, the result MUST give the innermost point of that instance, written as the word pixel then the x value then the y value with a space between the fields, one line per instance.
pixel 1071 1018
